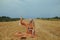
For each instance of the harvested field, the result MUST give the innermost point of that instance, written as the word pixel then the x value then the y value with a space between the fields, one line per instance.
pixel 45 30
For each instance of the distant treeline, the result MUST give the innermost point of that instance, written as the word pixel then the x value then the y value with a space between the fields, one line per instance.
pixel 6 19
pixel 52 18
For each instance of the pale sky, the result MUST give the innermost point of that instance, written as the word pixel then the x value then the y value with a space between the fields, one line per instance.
pixel 30 8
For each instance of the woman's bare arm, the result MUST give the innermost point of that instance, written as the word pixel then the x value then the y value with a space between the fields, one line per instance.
pixel 23 22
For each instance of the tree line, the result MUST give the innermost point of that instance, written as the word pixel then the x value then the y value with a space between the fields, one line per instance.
pixel 52 18
pixel 6 19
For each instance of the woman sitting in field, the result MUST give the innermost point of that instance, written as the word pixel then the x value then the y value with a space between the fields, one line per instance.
pixel 30 26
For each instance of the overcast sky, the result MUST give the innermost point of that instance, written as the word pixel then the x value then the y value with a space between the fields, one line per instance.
pixel 30 8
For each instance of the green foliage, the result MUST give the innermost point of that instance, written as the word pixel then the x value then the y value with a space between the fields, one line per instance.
pixel 56 17
pixel 6 19
pixel 37 18
pixel 53 18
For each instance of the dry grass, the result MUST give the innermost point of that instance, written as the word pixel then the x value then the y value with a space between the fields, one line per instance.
pixel 45 30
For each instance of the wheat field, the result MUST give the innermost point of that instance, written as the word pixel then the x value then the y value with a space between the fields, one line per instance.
pixel 45 30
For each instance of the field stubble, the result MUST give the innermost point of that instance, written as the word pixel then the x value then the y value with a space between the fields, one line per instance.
pixel 45 30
